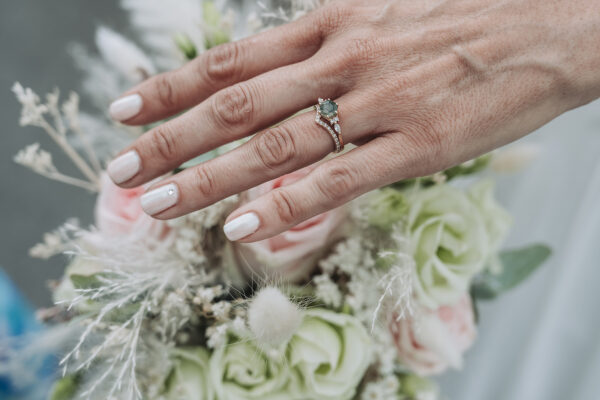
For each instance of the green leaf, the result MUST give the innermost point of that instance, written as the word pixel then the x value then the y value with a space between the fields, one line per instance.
pixel 468 168
pixel 186 46
pixel 86 281
pixel 65 388
pixel 517 266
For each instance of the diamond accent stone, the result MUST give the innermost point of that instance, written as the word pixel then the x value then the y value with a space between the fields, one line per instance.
pixel 337 128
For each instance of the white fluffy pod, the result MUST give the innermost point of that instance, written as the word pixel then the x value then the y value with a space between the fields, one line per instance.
pixel 272 317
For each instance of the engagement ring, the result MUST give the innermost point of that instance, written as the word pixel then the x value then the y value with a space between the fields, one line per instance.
pixel 327 117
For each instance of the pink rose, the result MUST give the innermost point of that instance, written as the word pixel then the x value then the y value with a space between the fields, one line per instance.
pixel 435 340
pixel 118 212
pixel 291 255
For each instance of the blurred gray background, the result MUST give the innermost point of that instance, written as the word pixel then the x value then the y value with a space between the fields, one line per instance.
pixel 34 35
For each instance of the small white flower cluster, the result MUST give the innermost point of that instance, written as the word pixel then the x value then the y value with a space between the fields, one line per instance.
pixel 386 388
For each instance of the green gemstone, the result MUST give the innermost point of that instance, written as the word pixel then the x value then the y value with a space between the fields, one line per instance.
pixel 328 109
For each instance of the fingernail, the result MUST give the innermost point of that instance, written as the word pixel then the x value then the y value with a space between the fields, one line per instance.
pixel 160 199
pixel 126 107
pixel 124 167
pixel 241 226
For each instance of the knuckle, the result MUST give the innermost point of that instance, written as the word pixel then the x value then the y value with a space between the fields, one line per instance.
pixel 234 106
pixel 275 147
pixel 284 206
pixel 222 62
pixel 338 181
pixel 164 91
pixel 205 181
pixel 364 49
pixel 332 18
pixel 164 144
pixel 429 144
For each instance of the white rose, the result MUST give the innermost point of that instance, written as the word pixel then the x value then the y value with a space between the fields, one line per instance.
pixel 332 352
pixel 449 242
pixel 190 377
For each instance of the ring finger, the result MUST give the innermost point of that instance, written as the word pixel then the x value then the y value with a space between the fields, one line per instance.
pixel 294 144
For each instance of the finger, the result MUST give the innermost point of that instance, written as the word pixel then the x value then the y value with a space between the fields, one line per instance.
pixel 171 92
pixel 295 143
pixel 381 161
pixel 230 114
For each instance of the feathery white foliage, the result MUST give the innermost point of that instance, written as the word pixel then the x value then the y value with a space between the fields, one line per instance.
pixel 35 113
pixel 144 297
pixel 123 55
pixel 133 284
pixel 101 83
pixel 397 283
pixel 157 26
pixel 24 356
pixel 272 317
pixel 55 242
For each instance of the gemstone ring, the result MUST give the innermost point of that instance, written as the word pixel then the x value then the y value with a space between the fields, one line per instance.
pixel 327 117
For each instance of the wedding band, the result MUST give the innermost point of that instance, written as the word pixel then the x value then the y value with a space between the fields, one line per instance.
pixel 327 117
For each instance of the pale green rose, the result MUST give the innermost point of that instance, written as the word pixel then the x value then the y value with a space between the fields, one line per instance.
pixel 448 240
pixel 190 377
pixel 241 370
pixel 332 352
pixel 497 220
pixel 325 359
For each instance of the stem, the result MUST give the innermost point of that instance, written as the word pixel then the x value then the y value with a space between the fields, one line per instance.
pixel 57 176
pixel 88 149
pixel 75 157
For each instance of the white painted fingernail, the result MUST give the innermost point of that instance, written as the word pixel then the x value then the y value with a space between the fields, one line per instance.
pixel 124 167
pixel 241 226
pixel 160 199
pixel 126 107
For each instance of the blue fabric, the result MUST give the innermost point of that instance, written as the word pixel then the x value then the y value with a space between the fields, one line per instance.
pixel 16 320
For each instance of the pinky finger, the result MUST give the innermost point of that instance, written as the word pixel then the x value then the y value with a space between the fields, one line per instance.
pixel 328 186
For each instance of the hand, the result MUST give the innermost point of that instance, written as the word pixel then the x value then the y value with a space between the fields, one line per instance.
pixel 421 85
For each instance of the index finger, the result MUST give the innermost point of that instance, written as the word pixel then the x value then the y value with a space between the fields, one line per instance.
pixel 171 92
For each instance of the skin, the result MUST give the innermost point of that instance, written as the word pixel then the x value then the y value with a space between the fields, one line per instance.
pixel 421 86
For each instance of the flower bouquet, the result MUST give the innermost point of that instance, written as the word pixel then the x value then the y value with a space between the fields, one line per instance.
pixel 363 302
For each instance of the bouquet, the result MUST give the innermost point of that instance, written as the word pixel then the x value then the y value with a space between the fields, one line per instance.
pixel 367 301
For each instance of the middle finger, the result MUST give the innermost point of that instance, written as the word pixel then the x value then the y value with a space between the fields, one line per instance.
pixel 228 115
pixel 294 144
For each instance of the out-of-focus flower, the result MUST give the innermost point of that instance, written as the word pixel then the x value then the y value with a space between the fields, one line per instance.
pixel 123 55
pixel 332 352
pixel 217 28
pixel 449 242
pixel 387 206
pixel 190 377
pixel 157 26
pixel 291 255
pixel 419 388
pixel 325 359
pixel 514 158
pixel 432 341
pixel 118 212
pixel 241 370
pixel 24 374
pixel 497 220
